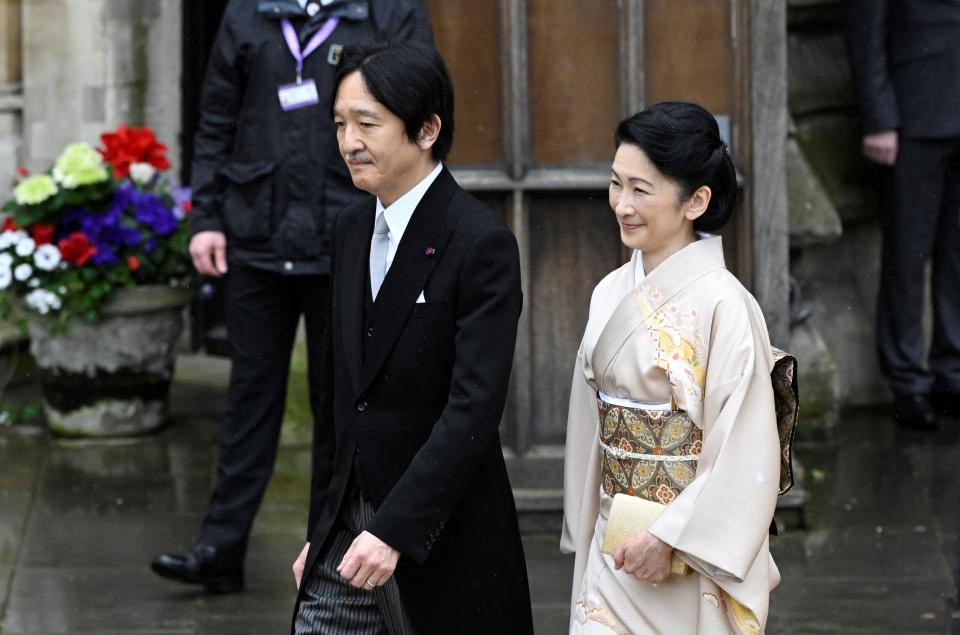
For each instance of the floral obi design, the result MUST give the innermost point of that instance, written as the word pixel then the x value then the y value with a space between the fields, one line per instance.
pixel 647 453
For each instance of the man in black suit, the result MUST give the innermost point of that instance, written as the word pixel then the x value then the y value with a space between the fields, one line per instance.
pixel 413 526
pixel 905 56
pixel 267 183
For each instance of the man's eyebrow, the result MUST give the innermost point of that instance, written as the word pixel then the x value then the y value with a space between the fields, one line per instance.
pixel 363 112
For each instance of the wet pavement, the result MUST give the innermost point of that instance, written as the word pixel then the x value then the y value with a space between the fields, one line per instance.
pixel 80 520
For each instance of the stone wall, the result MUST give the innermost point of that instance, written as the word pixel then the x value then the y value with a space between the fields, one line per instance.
pixel 90 65
pixel 834 221
pixel 11 101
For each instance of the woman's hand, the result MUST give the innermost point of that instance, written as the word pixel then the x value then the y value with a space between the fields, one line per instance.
pixel 645 557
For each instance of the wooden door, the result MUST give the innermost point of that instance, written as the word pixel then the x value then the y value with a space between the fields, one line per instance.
pixel 540 86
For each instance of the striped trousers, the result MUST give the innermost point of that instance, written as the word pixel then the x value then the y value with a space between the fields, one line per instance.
pixel 330 606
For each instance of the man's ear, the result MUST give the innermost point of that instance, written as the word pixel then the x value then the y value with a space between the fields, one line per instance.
pixel 429 132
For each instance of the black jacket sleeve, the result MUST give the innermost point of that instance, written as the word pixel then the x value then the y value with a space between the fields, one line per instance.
pixel 467 431
pixel 220 101
pixel 866 30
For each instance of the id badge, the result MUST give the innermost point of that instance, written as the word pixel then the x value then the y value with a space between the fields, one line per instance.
pixel 294 96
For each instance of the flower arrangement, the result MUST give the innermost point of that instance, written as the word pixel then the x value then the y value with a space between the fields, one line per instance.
pixel 99 220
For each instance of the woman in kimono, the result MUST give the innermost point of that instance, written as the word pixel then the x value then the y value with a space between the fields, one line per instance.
pixel 672 401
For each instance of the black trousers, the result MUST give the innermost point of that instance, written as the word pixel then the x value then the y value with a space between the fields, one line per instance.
pixel 921 224
pixel 262 312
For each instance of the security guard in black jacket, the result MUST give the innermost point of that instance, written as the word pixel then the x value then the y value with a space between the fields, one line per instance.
pixel 905 57
pixel 268 180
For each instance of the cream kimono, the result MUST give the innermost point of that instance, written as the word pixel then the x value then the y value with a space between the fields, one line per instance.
pixel 688 332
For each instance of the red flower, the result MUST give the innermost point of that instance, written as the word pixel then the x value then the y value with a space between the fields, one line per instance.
pixel 132 145
pixel 186 206
pixel 76 248
pixel 22 171
pixel 133 263
pixel 9 225
pixel 42 234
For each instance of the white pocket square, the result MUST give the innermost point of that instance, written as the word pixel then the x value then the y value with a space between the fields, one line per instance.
pixel 421 299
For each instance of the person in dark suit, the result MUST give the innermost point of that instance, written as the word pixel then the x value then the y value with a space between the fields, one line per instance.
pixel 413 526
pixel 905 56
pixel 267 182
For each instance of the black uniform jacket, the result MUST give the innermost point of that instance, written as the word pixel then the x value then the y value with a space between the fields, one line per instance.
pixel 905 56
pixel 412 399
pixel 273 180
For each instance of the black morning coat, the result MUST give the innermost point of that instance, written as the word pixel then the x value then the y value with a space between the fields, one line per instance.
pixel 905 56
pixel 412 396
pixel 272 181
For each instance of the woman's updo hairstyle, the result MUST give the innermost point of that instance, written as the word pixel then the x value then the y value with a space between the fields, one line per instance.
pixel 683 141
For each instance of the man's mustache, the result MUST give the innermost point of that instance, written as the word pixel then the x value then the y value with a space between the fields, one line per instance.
pixel 362 158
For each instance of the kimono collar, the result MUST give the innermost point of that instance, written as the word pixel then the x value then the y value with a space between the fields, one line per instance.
pixel 682 267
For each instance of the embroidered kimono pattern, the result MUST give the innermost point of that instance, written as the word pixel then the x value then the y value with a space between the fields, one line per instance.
pixel 690 335
pixel 647 453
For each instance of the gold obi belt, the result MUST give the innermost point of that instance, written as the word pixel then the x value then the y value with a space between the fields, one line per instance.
pixel 647 452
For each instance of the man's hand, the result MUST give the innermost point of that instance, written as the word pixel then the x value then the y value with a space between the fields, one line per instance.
pixel 209 253
pixel 881 147
pixel 299 563
pixel 369 562
pixel 645 557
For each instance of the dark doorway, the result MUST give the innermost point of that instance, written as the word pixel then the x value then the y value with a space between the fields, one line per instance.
pixel 201 19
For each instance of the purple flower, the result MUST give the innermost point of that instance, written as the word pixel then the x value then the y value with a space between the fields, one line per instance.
pixel 154 213
pixel 105 256
pixel 181 196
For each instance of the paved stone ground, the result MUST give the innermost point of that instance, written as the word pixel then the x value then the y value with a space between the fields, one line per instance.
pixel 79 521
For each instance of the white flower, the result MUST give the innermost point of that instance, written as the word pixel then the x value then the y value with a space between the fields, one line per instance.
pixel 6 260
pixel 36 300
pixel 25 247
pixel 23 272
pixel 42 301
pixel 34 283
pixel 6 277
pixel 10 238
pixel 142 173
pixel 47 257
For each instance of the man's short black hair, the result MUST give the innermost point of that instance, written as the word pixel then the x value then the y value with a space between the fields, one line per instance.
pixel 410 79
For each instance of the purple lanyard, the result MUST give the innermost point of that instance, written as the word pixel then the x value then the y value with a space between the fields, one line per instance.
pixel 293 42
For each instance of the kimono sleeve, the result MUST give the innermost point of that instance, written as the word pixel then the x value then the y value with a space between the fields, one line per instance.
pixel 720 521
pixel 581 478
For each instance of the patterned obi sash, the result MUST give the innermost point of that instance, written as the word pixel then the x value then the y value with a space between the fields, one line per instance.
pixel 646 452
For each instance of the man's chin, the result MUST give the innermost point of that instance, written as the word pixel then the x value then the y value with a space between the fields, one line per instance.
pixel 361 183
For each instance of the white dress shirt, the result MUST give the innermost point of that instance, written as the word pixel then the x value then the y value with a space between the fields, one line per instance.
pixel 399 213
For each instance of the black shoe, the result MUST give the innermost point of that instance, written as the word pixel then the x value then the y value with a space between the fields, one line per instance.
pixel 946 403
pixel 203 564
pixel 914 411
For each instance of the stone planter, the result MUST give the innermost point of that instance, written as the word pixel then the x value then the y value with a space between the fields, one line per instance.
pixel 112 377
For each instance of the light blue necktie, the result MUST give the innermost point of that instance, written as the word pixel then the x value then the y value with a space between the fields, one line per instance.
pixel 378 253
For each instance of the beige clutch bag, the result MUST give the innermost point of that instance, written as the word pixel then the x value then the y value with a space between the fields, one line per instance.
pixel 630 515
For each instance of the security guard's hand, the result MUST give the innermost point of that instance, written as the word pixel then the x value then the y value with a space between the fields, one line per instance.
pixel 881 147
pixel 209 253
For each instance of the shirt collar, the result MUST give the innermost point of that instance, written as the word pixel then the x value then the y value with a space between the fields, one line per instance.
pixel 398 215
